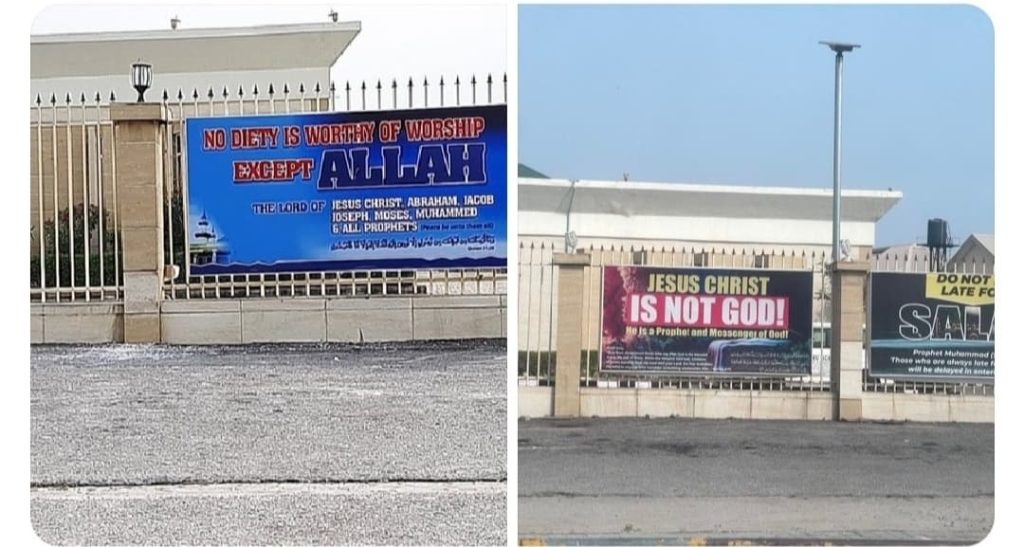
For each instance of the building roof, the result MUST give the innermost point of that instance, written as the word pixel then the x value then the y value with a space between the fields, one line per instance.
pixel 525 171
pixel 985 242
pixel 988 241
pixel 700 200
pixel 191 50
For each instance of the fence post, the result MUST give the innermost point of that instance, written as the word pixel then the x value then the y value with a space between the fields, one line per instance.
pixel 848 312
pixel 569 332
pixel 138 147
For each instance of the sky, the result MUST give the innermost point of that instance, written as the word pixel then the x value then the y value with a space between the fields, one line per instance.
pixel 744 95
pixel 396 40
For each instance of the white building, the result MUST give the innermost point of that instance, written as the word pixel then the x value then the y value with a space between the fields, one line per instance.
pixel 189 59
pixel 696 215
pixel 976 252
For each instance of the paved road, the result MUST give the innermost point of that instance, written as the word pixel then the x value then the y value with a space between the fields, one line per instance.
pixel 636 480
pixel 270 444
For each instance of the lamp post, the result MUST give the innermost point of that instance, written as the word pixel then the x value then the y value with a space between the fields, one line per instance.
pixel 839 48
pixel 142 78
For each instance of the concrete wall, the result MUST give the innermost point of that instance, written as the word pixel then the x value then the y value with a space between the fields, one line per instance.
pixel 74 323
pixel 283 320
pixel 764 405
pixel 535 402
pixel 928 408
pixel 333 320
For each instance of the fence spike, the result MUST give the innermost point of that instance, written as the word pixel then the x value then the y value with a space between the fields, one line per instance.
pixel 489 87
pixel 180 94
pixel 457 90
pixel 255 89
pixel 241 93
pixel 97 99
pixel 332 87
pixel 112 97
pixel 394 83
pixel 165 96
pixel 39 100
pixel 317 88
pixel 195 94
pixel 302 87
pixel 286 89
pixel 271 90
pixel 83 98
pixel 53 98
pixel 441 83
pixel 67 98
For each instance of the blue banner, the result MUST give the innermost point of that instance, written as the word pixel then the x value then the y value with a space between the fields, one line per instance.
pixel 347 190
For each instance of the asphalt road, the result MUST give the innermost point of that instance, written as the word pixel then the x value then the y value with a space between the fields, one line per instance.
pixel 678 480
pixel 396 444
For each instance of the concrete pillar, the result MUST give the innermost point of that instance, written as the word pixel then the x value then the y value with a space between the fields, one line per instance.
pixel 848 313
pixel 569 332
pixel 138 148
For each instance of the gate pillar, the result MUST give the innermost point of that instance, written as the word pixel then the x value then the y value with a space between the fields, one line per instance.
pixel 139 172
pixel 848 313
pixel 569 332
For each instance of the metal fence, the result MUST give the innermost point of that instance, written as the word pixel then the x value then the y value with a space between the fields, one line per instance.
pixel 538 313
pixel 538 316
pixel 75 234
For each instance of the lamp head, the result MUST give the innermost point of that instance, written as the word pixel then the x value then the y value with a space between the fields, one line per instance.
pixel 142 78
pixel 840 47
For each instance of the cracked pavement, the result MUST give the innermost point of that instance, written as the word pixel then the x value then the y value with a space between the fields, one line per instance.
pixel 314 444
pixel 681 480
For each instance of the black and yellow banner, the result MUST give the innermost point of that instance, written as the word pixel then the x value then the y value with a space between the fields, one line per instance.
pixel 933 326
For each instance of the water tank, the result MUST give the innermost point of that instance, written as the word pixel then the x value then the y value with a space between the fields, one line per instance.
pixel 938 233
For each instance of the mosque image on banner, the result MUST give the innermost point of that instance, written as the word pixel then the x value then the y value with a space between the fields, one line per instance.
pixel 347 190
pixel 706 321
pixel 933 326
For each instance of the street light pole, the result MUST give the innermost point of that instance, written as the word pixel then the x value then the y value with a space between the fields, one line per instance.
pixel 839 49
